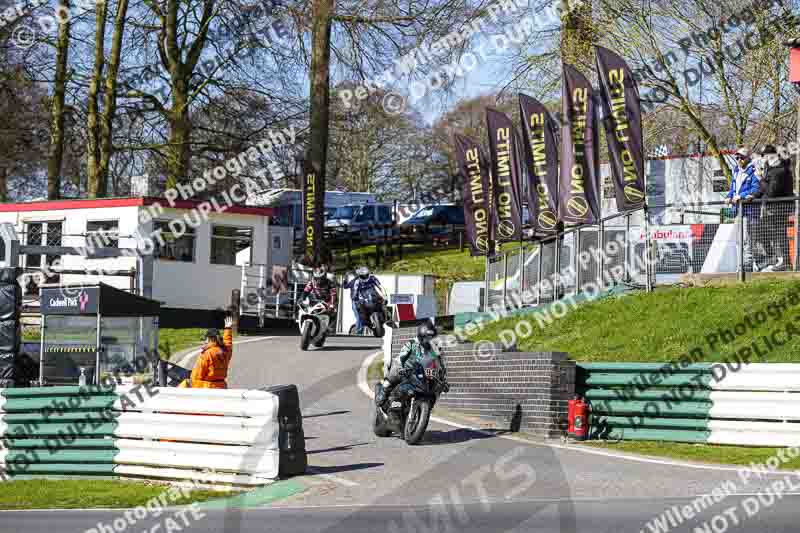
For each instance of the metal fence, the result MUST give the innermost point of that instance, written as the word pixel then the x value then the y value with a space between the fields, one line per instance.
pixel 751 236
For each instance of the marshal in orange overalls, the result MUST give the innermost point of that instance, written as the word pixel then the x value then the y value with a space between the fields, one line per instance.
pixel 211 369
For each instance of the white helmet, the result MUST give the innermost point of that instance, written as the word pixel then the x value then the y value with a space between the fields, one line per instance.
pixel 362 272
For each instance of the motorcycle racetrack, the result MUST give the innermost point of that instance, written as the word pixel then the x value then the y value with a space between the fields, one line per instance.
pixel 456 479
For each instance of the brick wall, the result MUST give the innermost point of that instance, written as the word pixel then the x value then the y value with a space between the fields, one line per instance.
pixel 508 390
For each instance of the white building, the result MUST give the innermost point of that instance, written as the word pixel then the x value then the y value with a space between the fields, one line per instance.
pixel 196 260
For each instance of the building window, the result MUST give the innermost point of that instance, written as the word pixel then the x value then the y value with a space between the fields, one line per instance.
pixel 33 237
pixel 54 233
pixel 172 247
pixel 42 234
pixel 102 234
pixel 231 245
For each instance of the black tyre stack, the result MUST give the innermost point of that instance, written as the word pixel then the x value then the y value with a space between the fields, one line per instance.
pixel 291 439
pixel 10 330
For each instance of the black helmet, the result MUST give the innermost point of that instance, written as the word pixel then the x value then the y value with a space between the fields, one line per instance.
pixel 425 332
pixel 768 149
pixel 212 333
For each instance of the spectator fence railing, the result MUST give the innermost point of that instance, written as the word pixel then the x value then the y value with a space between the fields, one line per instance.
pixel 658 245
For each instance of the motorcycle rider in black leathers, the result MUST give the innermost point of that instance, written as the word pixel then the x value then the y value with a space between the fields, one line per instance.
pixel 412 352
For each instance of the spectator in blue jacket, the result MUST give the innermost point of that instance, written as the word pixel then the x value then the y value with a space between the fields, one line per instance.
pixel 744 184
pixel 744 187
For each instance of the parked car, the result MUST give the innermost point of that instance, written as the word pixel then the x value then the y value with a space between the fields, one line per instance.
pixel 342 216
pixel 361 223
pixel 433 222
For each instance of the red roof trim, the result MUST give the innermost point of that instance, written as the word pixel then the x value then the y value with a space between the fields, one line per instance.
pixel 191 204
pixel 56 205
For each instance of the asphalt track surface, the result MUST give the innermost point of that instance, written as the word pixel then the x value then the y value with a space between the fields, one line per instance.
pixel 457 480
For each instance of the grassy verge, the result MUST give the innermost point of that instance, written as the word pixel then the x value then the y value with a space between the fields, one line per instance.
pixel 375 371
pixel 88 493
pixel 660 326
pixel 703 453
pixel 172 341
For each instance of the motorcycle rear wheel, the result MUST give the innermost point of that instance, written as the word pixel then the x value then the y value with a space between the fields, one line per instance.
pixel 417 422
pixel 305 335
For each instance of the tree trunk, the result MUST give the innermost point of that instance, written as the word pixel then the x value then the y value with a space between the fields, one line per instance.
pixel 110 96
pixel 96 180
pixel 56 152
pixel 3 184
pixel 317 152
pixel 776 108
pixel 178 151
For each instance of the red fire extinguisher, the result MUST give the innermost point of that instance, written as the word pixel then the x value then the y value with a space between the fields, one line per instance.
pixel 578 417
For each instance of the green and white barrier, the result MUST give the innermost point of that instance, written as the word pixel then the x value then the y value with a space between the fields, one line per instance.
pixel 735 402
pixel 220 436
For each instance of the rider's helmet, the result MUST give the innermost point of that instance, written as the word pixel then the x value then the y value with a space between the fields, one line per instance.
pixel 362 272
pixel 425 333
pixel 319 273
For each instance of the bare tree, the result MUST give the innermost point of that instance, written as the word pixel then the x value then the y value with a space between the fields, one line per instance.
pixel 57 107
pixel 101 123
pixel 361 37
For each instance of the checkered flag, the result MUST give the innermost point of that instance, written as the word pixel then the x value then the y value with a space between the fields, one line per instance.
pixel 659 151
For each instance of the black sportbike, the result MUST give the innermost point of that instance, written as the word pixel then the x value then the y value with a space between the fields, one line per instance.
pixel 372 309
pixel 408 408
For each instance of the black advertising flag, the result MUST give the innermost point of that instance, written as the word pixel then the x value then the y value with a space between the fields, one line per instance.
pixel 477 193
pixel 506 184
pixel 313 215
pixel 541 157
pixel 622 113
pixel 579 198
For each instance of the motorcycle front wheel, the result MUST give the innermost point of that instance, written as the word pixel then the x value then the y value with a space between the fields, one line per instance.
pixel 417 421
pixel 305 335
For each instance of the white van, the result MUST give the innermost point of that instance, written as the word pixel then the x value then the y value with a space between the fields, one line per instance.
pixel 363 223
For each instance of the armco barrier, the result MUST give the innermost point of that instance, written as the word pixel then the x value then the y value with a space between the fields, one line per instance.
pixel 754 404
pixel 233 436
